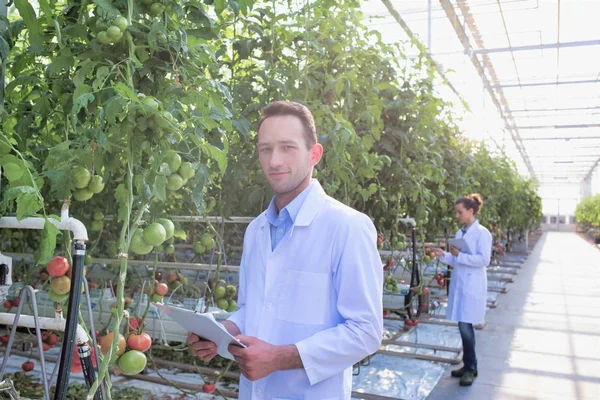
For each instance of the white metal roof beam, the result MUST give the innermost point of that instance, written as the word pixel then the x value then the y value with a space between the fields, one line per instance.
pixel 570 126
pixel 563 138
pixel 538 47
pixel 515 85
pixel 497 96
pixel 529 110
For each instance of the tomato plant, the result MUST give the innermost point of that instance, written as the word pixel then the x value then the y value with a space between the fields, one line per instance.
pixel 145 110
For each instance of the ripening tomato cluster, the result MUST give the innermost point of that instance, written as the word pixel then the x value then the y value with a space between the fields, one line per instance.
pixel 206 242
pixel 86 185
pixel 129 358
pixel 154 235
pixel 108 30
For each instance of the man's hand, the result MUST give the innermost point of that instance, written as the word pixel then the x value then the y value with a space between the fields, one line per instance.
pixel 260 359
pixel 204 349
pixel 438 252
pixel 454 251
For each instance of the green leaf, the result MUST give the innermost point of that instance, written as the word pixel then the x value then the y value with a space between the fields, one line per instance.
pixel 101 75
pixel 28 203
pixel 35 31
pixel 216 154
pixel 61 63
pixel 125 91
pixel 112 108
pixel 242 125
pixel 82 72
pixel 12 171
pixel 180 234
pixel 159 189
pixel 45 6
pixel 157 27
pixel 198 193
pixel 81 102
pixel 48 242
pixel 107 8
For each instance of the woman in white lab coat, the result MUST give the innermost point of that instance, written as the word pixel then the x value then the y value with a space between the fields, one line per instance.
pixel 468 285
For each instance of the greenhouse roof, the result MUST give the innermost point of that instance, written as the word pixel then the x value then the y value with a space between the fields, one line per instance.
pixel 528 70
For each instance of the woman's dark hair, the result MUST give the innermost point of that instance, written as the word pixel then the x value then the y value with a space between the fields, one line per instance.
pixel 472 202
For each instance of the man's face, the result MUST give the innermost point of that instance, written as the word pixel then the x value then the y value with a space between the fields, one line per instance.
pixel 283 154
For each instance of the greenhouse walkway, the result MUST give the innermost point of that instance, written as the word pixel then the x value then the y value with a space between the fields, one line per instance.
pixel 543 340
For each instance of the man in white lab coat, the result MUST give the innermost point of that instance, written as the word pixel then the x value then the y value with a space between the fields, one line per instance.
pixel 311 279
pixel 468 286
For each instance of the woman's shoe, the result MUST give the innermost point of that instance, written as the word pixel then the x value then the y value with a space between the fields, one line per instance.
pixel 468 378
pixel 458 373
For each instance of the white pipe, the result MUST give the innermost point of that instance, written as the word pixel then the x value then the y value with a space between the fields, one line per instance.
pixel 408 220
pixel 66 223
pixel 28 321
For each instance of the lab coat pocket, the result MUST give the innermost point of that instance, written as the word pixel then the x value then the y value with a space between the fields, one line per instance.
pixel 304 298
pixel 473 285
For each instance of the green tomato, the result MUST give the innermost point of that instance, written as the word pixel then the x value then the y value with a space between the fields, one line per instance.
pixel 114 32
pixel 220 292
pixel 231 290
pixel 112 249
pixel 96 184
pixel 168 225
pixel 88 260
pixel 170 249
pixel 138 245
pixel 223 304
pixel 207 241
pixel 186 170
pixel 155 234
pixel 232 306
pixel 121 23
pixel 98 215
pixel 173 160
pixel 175 182
pixel 80 177
pixel 82 195
pixel 156 298
pixel 132 362
pixel 103 38
pixel 97 226
pixel 157 8
pixel 199 248
pixel 151 101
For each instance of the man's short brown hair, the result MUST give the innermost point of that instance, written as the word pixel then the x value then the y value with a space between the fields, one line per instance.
pixel 282 108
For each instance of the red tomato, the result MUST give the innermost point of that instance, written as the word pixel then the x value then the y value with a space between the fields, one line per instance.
pixel 141 342
pixel 106 343
pixel 161 289
pixel 208 388
pixel 27 366
pixel 52 339
pixel 58 266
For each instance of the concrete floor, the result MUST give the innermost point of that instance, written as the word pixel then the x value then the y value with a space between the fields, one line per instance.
pixel 543 339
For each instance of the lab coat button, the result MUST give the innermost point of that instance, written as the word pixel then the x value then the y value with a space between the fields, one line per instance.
pixel 268 305
pixel 258 391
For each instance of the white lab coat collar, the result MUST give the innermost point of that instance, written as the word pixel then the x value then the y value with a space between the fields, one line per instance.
pixel 310 208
